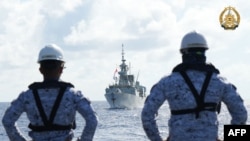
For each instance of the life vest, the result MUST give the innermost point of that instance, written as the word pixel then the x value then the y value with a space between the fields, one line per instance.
pixel 48 123
pixel 199 98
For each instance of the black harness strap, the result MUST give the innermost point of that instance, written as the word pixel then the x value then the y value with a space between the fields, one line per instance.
pixel 48 123
pixel 199 98
pixel 56 104
pixel 209 106
pixel 40 108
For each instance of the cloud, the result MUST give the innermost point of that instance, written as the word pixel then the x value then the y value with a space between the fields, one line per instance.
pixel 124 21
pixel 91 32
pixel 58 8
pixel 21 30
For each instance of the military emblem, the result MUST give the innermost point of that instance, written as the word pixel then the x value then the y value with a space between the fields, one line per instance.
pixel 229 18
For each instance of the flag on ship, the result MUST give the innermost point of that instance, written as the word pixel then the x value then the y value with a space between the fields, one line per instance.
pixel 115 77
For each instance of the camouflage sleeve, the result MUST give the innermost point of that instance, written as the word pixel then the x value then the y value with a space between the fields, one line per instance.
pixel 149 113
pixel 86 110
pixel 10 117
pixel 235 105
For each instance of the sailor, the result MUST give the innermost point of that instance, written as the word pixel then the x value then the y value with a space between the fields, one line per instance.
pixel 193 91
pixel 50 105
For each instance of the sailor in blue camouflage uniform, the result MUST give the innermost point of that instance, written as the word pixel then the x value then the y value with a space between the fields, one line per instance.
pixel 194 91
pixel 51 105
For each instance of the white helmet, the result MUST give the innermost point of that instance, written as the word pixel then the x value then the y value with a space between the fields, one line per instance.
pixel 193 40
pixel 51 52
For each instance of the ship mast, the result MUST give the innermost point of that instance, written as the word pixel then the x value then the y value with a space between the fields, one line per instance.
pixel 123 60
pixel 124 70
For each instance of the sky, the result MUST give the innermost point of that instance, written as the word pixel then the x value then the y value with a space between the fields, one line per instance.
pixel 91 33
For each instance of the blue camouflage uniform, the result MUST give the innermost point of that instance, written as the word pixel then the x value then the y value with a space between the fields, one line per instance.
pixel 189 127
pixel 71 102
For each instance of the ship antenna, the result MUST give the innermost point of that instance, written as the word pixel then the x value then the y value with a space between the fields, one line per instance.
pixel 129 68
pixel 123 60
pixel 137 76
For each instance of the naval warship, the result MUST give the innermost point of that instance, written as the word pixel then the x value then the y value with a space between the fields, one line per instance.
pixel 125 92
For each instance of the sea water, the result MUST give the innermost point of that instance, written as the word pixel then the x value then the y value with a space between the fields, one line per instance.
pixel 118 124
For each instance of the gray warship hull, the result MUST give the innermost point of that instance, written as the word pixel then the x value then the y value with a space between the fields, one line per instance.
pixel 124 100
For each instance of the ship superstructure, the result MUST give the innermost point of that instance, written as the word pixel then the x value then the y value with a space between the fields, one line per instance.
pixel 126 92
